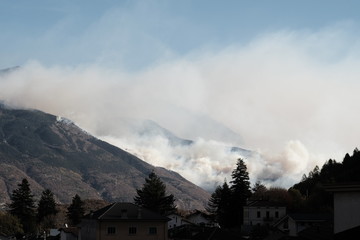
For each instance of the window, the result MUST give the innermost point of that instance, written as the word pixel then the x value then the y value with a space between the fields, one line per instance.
pixel 132 230
pixel 152 230
pixel 111 230
pixel 258 214
pixel 277 214
pixel 267 214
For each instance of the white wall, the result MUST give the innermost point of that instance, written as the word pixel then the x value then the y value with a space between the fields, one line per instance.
pixel 251 217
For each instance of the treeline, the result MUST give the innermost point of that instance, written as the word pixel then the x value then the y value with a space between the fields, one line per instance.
pixel 332 172
pixel 25 218
pixel 226 203
pixel 312 186
pixel 309 195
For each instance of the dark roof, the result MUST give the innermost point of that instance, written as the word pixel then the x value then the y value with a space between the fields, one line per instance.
pixel 198 212
pixel 306 217
pixel 310 217
pixel 263 203
pixel 343 187
pixel 125 212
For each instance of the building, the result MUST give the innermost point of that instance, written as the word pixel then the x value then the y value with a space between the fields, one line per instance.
pixel 263 213
pixel 123 221
pixel 294 223
pixel 199 218
pixel 346 210
pixel 176 220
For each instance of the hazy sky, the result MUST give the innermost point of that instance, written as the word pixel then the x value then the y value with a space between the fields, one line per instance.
pixel 136 34
pixel 283 76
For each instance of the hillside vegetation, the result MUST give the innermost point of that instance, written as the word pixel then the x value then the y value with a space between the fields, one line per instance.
pixel 54 153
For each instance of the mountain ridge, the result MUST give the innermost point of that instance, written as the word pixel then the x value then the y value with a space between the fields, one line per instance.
pixel 53 152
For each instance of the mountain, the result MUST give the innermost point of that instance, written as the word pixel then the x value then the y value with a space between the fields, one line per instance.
pixel 6 71
pixel 52 152
pixel 150 128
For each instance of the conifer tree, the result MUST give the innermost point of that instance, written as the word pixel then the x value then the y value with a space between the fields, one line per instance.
pixel 76 210
pixel 153 196
pixel 259 190
pixel 219 206
pixel 22 206
pixel 46 209
pixel 240 189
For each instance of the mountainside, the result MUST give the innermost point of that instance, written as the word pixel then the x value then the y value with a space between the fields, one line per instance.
pixel 52 152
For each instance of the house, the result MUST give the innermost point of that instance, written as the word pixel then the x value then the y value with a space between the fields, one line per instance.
pixel 263 213
pixel 199 218
pixel 176 220
pixel 294 223
pixel 346 209
pixel 123 221
pixel 68 233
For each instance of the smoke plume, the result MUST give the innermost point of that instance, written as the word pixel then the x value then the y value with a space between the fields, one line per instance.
pixel 290 97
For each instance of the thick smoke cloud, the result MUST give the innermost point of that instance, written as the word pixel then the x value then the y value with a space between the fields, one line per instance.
pixel 291 97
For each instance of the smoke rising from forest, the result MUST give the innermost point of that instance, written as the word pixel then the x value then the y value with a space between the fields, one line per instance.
pixel 295 109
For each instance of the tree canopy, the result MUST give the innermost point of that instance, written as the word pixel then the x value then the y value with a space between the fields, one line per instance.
pixel 76 210
pixel 10 225
pixel 226 203
pixel 46 209
pixel 23 206
pixel 153 196
pixel 219 206
pixel 240 189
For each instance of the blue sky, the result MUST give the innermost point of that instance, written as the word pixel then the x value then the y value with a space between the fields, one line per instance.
pixel 276 77
pixel 135 34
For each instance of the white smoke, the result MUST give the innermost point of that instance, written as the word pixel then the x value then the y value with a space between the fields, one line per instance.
pixel 291 96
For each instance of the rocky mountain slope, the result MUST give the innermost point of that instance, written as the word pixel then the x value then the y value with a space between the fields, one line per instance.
pixel 52 152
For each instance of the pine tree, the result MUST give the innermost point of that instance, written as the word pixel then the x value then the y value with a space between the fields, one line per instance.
pixel 76 210
pixel 46 209
pixel 22 206
pixel 219 206
pixel 240 189
pixel 153 196
pixel 259 190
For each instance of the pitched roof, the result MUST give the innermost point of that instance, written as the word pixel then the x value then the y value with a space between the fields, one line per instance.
pixel 310 217
pixel 343 187
pixel 198 212
pixel 125 212
pixel 263 203
pixel 305 217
